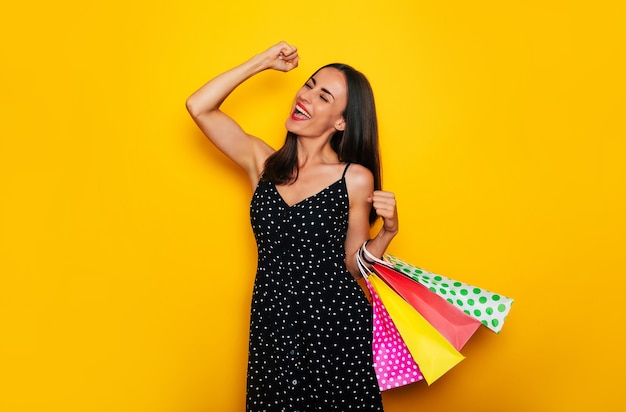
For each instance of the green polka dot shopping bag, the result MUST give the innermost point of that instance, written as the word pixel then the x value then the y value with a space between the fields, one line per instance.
pixel 491 309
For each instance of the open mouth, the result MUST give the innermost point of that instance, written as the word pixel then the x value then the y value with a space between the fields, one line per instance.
pixel 301 113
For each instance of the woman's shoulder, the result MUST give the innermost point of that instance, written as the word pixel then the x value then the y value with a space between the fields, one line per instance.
pixel 358 171
pixel 358 178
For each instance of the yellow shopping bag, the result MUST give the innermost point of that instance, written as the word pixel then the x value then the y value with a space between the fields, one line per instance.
pixel 432 352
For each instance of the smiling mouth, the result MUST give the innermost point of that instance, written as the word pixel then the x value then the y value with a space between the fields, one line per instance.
pixel 301 113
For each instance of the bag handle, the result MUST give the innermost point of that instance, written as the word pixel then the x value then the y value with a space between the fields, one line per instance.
pixel 371 259
pixel 362 268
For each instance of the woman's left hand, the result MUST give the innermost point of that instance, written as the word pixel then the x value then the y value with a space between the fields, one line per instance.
pixel 385 205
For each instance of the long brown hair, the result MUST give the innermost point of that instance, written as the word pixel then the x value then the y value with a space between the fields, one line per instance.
pixel 358 143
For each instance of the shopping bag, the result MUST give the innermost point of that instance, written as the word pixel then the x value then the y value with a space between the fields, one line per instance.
pixel 456 326
pixel 431 351
pixel 393 362
pixel 491 309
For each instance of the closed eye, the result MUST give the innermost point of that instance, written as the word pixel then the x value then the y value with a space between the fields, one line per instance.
pixel 311 83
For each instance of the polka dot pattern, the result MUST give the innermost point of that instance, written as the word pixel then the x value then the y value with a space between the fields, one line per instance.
pixel 393 362
pixel 310 323
pixel 489 308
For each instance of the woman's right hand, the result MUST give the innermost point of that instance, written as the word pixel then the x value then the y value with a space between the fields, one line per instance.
pixel 282 57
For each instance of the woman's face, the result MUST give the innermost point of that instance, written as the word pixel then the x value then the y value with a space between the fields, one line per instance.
pixel 319 105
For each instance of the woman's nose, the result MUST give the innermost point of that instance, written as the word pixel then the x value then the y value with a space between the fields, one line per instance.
pixel 306 95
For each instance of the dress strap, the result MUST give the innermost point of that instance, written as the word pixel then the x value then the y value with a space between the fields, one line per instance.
pixel 345 170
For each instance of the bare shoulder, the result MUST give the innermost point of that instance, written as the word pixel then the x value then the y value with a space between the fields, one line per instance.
pixel 359 180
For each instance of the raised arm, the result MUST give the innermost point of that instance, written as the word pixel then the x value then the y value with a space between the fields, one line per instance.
pixel 246 150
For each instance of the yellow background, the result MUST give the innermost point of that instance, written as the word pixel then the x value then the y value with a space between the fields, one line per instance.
pixel 126 256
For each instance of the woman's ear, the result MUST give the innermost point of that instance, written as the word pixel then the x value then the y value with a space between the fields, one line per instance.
pixel 340 125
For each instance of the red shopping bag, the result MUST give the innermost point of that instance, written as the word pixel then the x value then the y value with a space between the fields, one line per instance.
pixel 456 326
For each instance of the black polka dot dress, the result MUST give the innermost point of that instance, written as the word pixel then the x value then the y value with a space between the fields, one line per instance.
pixel 311 325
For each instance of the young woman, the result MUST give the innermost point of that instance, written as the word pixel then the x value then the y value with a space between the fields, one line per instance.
pixel 313 204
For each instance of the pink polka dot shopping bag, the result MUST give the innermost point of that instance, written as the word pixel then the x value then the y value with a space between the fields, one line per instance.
pixel 393 362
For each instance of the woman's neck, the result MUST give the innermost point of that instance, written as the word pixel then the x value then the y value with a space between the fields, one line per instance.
pixel 315 151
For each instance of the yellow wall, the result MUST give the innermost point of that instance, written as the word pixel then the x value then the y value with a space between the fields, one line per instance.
pixel 126 257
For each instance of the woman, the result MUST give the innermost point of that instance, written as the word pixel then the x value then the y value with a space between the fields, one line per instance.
pixel 313 204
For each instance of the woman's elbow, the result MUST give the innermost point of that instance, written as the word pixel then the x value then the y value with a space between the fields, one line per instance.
pixel 192 107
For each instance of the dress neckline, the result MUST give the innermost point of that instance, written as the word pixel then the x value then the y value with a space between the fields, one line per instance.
pixel 343 176
pixel 304 200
